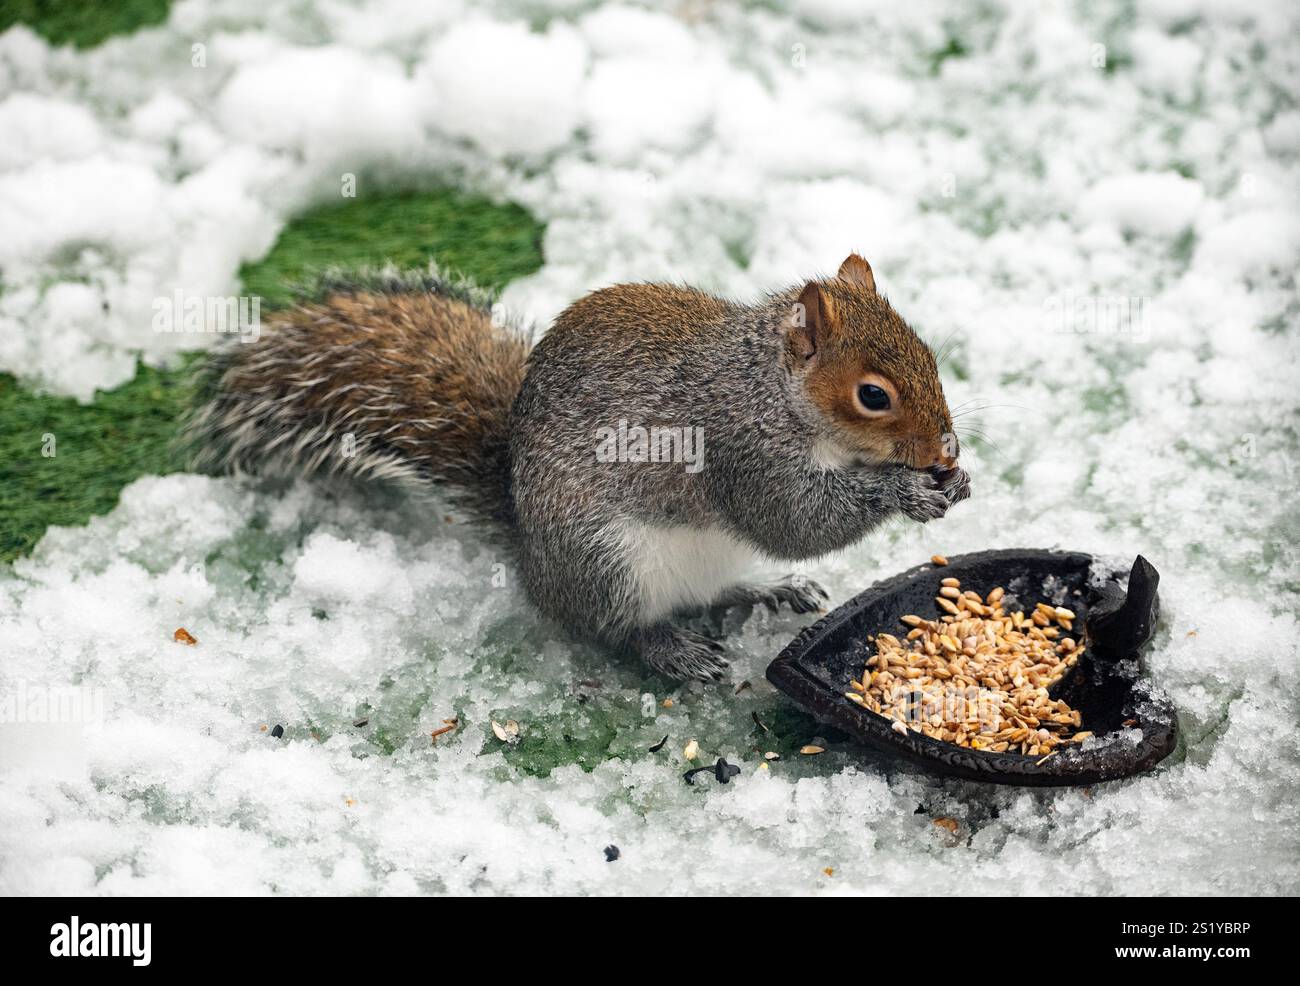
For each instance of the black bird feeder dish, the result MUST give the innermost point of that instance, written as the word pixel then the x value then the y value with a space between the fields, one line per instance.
pixel 1135 724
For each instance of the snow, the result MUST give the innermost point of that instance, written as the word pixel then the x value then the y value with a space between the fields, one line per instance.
pixel 1007 197
pixel 509 90
pixel 328 104
pixel 38 127
pixel 1160 203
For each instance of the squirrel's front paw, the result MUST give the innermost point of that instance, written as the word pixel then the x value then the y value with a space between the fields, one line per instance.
pixel 927 495
pixel 955 483
pixel 680 654
pixel 921 497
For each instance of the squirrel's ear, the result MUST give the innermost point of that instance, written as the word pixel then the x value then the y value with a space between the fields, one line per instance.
pixel 857 271
pixel 810 321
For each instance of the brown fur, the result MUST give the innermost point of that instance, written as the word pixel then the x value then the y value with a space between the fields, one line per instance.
pixel 629 320
pixel 421 381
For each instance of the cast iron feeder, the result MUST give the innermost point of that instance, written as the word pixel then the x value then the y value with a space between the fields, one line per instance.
pixel 1107 685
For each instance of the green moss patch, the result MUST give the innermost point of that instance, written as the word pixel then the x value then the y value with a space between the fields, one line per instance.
pixel 62 462
pixel 83 23
pixel 491 244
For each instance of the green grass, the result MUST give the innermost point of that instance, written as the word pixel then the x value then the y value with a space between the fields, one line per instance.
pixel 126 433
pixel 83 23
pixel 96 451
pixel 493 244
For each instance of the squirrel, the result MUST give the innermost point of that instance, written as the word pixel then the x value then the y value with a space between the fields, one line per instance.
pixel 810 417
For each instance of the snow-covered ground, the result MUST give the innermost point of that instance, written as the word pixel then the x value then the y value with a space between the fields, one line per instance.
pixel 1097 209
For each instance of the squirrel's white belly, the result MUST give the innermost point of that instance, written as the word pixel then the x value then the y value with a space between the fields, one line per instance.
pixel 676 567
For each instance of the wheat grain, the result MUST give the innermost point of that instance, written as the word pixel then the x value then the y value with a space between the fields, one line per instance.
pixel 977 677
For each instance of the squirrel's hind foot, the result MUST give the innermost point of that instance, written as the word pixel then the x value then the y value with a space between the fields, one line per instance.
pixel 801 593
pixel 680 654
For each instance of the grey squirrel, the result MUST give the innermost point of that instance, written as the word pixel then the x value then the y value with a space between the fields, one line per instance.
pixel 818 411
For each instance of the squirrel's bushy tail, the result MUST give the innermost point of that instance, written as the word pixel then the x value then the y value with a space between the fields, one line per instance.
pixel 387 376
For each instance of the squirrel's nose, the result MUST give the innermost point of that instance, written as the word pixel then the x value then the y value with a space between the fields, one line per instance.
pixel 947 452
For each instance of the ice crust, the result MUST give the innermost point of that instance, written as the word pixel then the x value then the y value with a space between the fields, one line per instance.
pixel 736 147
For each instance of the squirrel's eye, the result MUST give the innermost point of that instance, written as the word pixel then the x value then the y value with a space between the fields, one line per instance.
pixel 873 398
